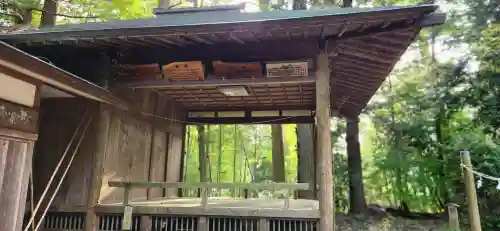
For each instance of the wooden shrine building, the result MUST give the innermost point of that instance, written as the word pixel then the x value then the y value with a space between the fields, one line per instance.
pixel 101 108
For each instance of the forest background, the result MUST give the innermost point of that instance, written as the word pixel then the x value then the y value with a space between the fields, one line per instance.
pixel 441 98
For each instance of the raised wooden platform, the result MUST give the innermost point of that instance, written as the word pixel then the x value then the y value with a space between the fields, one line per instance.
pixel 234 207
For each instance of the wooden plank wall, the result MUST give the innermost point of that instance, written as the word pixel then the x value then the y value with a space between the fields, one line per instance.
pixel 143 148
pixel 59 119
pixel 137 147
pixel 15 167
pixel 18 128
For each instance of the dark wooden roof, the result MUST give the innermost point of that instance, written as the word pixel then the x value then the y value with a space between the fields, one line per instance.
pixel 47 74
pixel 366 44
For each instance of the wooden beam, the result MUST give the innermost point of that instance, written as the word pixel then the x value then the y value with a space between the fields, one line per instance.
pixel 211 211
pixel 53 76
pixel 424 21
pixel 19 118
pixel 145 184
pixel 253 120
pixel 167 84
pixel 434 19
pixel 325 160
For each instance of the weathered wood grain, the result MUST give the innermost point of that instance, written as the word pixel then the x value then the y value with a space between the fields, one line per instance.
pixel 16 166
pixel 59 119
pixel 219 207
pixel 325 161
pixel 208 185
pixel 102 136
pixel 18 117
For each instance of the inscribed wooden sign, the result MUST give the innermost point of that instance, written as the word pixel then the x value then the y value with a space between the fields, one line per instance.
pixel 18 117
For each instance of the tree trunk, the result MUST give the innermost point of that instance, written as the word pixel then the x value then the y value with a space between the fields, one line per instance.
pixel 202 154
pixel 299 5
pixel 278 157
pixel 234 156
pixel 305 146
pixel 26 17
pixel 219 156
pixel 356 189
pixel 208 145
pixel 188 149
pixel 347 3
pixel 49 13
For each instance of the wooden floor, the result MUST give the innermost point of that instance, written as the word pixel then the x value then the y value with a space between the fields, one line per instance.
pixel 220 207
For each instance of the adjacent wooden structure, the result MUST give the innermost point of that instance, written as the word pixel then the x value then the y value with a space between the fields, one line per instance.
pixel 137 127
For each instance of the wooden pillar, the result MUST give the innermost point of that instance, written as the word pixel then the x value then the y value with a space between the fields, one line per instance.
pixel 278 153
pixel 102 128
pixel 305 146
pixel 473 207
pixel 18 133
pixel 324 140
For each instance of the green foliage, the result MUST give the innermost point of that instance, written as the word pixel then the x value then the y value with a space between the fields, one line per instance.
pixel 410 137
pixel 428 112
pixel 244 151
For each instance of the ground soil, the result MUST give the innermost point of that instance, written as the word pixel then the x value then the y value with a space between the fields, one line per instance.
pixel 388 223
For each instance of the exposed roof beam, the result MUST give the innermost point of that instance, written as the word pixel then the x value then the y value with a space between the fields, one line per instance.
pixel 55 77
pixel 427 21
pixel 433 19
pixel 166 84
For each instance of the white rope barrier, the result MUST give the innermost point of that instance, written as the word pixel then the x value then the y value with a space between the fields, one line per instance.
pixel 481 176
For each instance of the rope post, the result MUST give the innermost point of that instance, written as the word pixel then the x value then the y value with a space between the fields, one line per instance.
pixel 453 216
pixel 474 219
pixel 127 212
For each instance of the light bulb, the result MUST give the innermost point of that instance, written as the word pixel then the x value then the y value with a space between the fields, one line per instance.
pixel 480 183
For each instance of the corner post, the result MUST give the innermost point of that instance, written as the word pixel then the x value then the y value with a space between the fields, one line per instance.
pixel 103 126
pixel 263 224
pixel 127 213
pixel 474 220
pixel 325 161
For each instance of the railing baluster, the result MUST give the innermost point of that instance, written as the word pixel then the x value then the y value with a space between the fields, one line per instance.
pixel 64 221
pixel 112 220
pixel 79 222
pixel 70 223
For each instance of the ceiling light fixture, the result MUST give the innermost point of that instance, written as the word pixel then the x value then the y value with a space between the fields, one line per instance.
pixel 234 91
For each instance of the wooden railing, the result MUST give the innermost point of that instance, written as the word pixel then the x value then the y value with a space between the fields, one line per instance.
pixel 205 187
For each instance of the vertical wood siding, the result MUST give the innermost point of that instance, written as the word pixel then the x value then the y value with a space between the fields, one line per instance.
pixel 15 167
